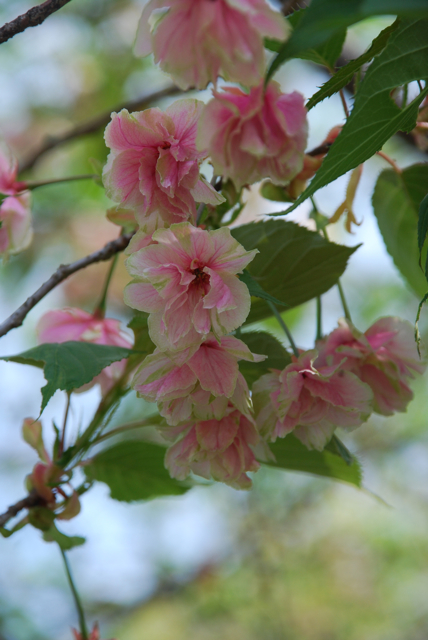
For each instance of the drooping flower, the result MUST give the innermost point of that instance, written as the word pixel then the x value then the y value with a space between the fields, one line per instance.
pixel 255 135
pixel 310 401
pixel 69 324
pixel 8 172
pixel 153 166
pixel 384 357
pixel 211 367
pixel 16 231
pixel 197 40
pixel 188 284
pixel 218 449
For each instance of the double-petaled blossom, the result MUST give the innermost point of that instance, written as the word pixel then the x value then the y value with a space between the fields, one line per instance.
pixel 188 284
pixel 310 401
pixel 218 449
pixel 16 229
pixel 63 325
pixel 153 166
pixel 255 135
pixel 384 357
pixel 198 40
pixel 198 375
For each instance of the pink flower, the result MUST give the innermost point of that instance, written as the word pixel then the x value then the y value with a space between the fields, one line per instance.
pixel 210 367
pixel 250 136
pixel 197 40
pixel 310 401
pixel 16 231
pixel 218 449
pixel 153 166
pixel 94 634
pixel 9 172
pixel 63 325
pixel 188 284
pixel 384 357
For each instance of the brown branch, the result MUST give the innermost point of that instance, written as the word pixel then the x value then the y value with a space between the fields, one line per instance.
pixel 63 272
pixel 32 18
pixel 96 123
pixel 32 500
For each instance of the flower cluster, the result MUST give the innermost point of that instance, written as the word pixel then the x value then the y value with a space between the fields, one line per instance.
pixel 340 383
pixel 16 230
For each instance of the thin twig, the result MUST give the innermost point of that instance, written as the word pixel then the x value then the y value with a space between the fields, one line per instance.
pixel 392 162
pixel 76 597
pixel 63 272
pixel 32 18
pixel 93 125
pixel 32 500
pixel 284 327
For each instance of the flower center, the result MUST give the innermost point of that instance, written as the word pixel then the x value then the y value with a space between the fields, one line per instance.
pixel 165 145
pixel 201 281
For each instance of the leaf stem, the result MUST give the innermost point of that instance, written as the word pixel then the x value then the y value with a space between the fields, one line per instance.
pixel 101 306
pixel 33 184
pixel 392 162
pixel 343 301
pixel 319 319
pixel 80 613
pixel 67 409
pixel 345 106
pixel 284 327
pixel 149 422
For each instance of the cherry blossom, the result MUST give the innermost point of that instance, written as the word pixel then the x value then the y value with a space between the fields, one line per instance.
pixel 384 357
pixel 255 135
pixel 310 401
pixel 197 40
pixel 211 367
pixel 9 172
pixel 153 166
pixel 218 449
pixel 16 231
pixel 188 284
pixel 70 324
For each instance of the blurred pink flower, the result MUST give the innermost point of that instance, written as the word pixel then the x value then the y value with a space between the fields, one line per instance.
pixel 310 401
pixel 63 325
pixel 153 166
pixel 93 635
pixel 218 449
pixel 16 231
pixel 197 40
pixel 250 136
pixel 211 366
pixel 9 172
pixel 188 284
pixel 384 357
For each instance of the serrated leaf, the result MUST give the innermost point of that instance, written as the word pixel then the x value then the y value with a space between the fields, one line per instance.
pixel 375 116
pixel 293 263
pixel 324 18
pixel 256 290
pixel 133 470
pixel 396 200
pixel 265 344
pixel 292 455
pixel 65 542
pixel 337 447
pixel 68 365
pixel 344 75
pixel 422 223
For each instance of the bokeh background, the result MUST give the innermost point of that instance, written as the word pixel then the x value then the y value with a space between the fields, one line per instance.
pixel 296 558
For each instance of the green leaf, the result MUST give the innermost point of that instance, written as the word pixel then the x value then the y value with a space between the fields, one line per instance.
pixel 133 470
pixel 337 447
pixel 68 365
pixel 273 192
pixel 324 18
pixel 256 290
pixel 265 344
pixel 344 75
pixel 293 264
pixel 142 342
pixel 65 542
pixel 422 223
pixel 291 454
pixel 396 201
pixel 375 116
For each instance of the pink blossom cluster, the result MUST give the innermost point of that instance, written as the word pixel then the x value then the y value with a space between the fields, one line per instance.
pixel 16 230
pixel 70 324
pixel 339 384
